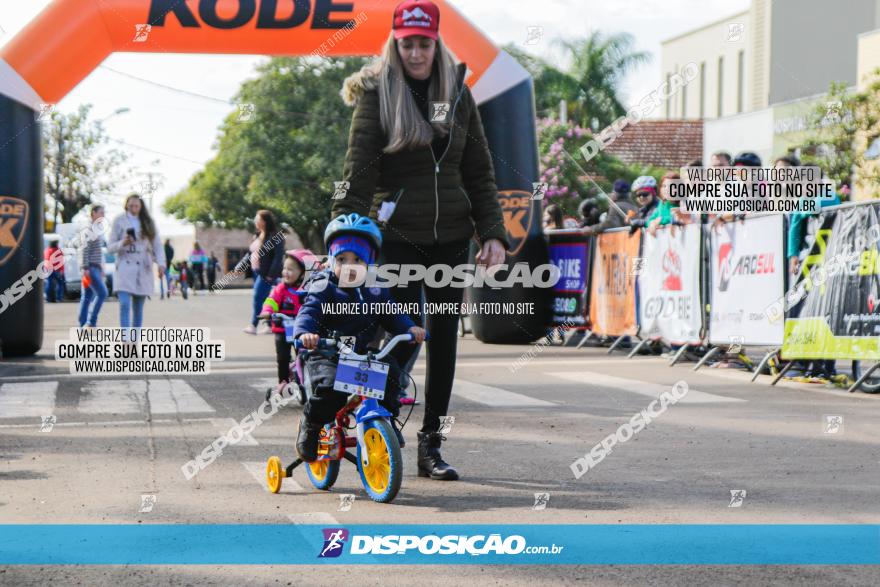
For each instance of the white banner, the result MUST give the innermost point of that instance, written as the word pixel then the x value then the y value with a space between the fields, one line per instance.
pixel 747 267
pixel 669 285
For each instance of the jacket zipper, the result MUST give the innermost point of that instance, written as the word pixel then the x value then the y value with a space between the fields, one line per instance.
pixel 438 161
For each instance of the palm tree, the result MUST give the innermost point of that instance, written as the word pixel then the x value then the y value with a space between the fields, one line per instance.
pixel 599 63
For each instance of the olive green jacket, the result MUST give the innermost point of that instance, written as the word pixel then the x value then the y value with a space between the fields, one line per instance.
pixel 441 199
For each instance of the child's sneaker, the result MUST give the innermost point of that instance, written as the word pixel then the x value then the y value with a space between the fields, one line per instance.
pixel 307 440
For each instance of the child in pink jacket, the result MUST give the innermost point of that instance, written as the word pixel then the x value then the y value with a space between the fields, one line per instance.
pixel 287 298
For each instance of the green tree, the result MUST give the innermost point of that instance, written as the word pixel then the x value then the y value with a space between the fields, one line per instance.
pixel 591 86
pixel 570 180
pixel 78 163
pixel 845 135
pixel 599 64
pixel 282 149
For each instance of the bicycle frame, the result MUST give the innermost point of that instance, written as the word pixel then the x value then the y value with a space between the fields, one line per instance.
pixel 334 441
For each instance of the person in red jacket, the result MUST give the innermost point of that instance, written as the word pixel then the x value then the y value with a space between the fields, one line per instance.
pixel 286 298
pixel 55 282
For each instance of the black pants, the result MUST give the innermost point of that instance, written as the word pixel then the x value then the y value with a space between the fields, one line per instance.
pixel 282 356
pixel 442 328
pixel 199 274
pixel 325 402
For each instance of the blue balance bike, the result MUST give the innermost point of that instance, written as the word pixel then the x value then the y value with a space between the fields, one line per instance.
pixel 378 458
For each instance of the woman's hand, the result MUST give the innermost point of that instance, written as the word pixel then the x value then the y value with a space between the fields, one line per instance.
pixel 491 254
pixel 418 334
pixel 309 340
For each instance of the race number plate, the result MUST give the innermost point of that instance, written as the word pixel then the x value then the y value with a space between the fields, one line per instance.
pixel 361 378
pixel 288 331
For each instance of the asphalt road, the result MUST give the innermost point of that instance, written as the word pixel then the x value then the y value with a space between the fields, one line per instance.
pixel 516 433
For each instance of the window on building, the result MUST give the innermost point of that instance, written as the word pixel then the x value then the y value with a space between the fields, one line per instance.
pixel 740 80
pixel 720 86
pixel 702 90
pixel 668 101
pixel 684 101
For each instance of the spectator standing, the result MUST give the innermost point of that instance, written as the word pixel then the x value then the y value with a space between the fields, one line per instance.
pixel 619 209
pixel 267 259
pixel 166 279
pixel 54 288
pixel 91 264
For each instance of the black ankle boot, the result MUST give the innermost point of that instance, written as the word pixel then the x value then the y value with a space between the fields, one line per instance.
pixel 431 464
pixel 307 440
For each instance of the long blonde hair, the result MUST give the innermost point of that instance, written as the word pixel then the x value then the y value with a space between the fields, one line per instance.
pixel 403 124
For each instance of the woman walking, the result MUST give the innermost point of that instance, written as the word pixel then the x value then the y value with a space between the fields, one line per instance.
pixel 197 260
pixel 91 264
pixel 135 240
pixel 267 260
pixel 427 177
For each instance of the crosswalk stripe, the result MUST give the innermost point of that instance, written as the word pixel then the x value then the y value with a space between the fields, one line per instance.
pixel 258 470
pixel 27 399
pixel 313 518
pixel 170 396
pixel 264 383
pixel 225 424
pixel 129 396
pixel 646 388
pixel 495 396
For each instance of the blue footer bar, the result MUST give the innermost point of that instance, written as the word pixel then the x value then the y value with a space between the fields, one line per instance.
pixel 252 544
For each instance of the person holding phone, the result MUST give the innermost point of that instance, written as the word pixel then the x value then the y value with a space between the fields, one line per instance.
pixel 135 240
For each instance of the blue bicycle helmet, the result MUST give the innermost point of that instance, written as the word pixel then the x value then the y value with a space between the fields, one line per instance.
pixel 353 224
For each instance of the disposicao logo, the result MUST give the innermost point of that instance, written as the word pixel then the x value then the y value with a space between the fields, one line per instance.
pixel 334 540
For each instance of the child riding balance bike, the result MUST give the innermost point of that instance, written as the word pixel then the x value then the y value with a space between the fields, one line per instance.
pixel 344 378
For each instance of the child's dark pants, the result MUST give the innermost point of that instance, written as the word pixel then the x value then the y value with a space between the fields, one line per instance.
pixel 282 356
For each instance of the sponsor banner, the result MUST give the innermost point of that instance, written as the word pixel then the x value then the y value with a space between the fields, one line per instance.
pixel 612 283
pixel 747 268
pixel 571 254
pixel 669 286
pixel 546 544
pixel 838 316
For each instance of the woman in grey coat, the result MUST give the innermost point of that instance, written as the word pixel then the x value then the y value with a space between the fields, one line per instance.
pixel 135 240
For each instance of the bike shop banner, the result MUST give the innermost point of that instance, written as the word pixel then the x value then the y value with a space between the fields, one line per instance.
pixel 570 252
pixel 613 283
pixel 669 285
pixel 747 269
pixel 834 306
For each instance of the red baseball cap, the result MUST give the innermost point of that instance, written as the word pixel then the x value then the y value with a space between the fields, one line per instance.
pixel 416 17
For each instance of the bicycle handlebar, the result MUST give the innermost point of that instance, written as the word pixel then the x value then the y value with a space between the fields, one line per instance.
pixel 332 343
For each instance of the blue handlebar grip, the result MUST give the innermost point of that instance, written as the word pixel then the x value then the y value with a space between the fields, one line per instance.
pixel 298 344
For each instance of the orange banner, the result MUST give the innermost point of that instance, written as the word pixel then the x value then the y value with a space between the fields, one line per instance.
pixel 613 284
pixel 70 38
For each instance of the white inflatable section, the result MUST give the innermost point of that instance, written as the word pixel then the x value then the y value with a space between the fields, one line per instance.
pixel 15 87
pixel 504 73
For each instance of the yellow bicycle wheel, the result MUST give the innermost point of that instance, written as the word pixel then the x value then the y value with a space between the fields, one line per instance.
pixel 382 472
pixel 274 474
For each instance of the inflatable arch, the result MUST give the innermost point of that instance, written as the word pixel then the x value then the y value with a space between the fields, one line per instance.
pixel 70 38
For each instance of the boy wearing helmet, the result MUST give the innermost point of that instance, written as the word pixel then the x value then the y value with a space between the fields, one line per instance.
pixel 353 242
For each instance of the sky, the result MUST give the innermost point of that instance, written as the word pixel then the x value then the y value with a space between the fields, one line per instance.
pixel 173 133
